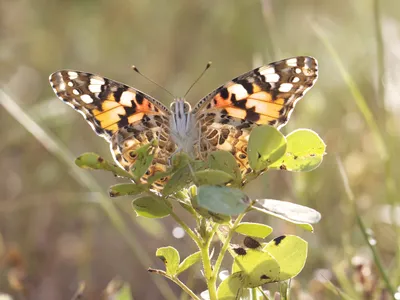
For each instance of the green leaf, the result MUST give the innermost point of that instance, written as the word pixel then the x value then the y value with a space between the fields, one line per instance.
pixel 189 261
pixel 290 252
pixel 225 161
pixel 216 217
pixel 143 157
pixel 170 257
pixel 254 229
pixel 232 287
pixel 266 146
pixel 94 161
pixel 151 207
pixel 125 189
pixel 222 199
pixel 291 212
pixel 305 151
pixel 212 177
pixel 258 267
pixel 179 180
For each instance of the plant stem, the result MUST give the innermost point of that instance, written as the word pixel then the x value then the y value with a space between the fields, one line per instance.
pixel 225 245
pixel 178 220
pixel 210 276
pixel 186 228
pixel 176 280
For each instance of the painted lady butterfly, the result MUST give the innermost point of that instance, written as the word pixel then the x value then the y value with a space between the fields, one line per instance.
pixel 129 119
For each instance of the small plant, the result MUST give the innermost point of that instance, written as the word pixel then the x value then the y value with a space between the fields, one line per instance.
pixel 211 192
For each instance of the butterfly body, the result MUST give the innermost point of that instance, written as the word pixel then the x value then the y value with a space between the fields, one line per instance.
pixel 129 119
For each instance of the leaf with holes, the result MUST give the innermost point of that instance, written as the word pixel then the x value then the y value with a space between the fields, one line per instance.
pixel 126 189
pixel 170 257
pixel 305 151
pixel 266 146
pixel 259 268
pixel 94 161
pixel 290 252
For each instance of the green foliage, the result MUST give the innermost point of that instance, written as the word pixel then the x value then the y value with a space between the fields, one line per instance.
pixel 304 152
pixel 188 262
pixel 224 161
pixel 151 207
pixel 254 229
pixel 216 198
pixel 222 200
pixel 143 157
pixel 216 177
pixel 266 146
pixel 290 252
pixel 170 257
pixel 125 189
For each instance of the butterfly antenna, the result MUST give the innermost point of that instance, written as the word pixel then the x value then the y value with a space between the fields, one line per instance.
pixel 198 78
pixel 134 68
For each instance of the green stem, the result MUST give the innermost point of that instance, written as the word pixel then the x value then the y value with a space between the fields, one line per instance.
pixel 210 276
pixel 176 280
pixel 225 245
pixel 178 220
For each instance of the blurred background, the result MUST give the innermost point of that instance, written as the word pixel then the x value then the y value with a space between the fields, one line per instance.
pixel 57 225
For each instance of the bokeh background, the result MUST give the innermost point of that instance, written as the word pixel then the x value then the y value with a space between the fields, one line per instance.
pixel 57 225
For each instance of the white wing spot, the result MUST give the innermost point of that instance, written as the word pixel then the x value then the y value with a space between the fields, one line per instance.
pixel 285 87
pixel 267 70
pixel 87 99
pixel 239 91
pixel 70 83
pixel 61 86
pixel 126 98
pixel 298 70
pixel 75 92
pixel 72 75
pixel 272 77
pixel 295 79
pixel 97 80
pixel 94 88
pixel 292 62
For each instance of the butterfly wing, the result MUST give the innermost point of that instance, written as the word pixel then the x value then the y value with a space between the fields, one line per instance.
pixel 124 116
pixel 266 95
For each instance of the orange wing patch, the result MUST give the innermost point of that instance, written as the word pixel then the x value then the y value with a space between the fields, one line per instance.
pixel 106 105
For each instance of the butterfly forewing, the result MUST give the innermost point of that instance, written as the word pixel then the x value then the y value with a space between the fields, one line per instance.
pixel 266 95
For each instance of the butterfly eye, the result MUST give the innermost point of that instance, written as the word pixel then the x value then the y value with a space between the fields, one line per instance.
pixel 133 155
pixel 186 107
pixel 173 107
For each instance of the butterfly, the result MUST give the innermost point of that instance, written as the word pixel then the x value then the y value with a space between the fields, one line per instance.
pixel 129 119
